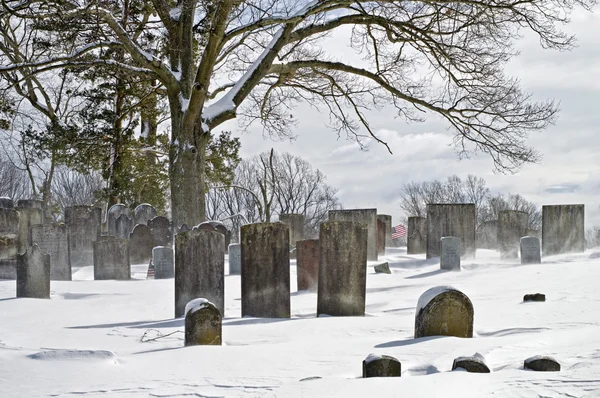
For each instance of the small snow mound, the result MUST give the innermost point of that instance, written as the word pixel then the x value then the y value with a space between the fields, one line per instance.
pixel 539 357
pixel 195 305
pixel 372 357
pixel 75 355
pixel 430 294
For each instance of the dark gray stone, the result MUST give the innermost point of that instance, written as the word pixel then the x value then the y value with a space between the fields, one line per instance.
pixel 33 273
pixel 380 237
pixel 383 268
pixel 30 204
pixel 387 220
pixel 235 259
pixel 111 258
pixel 368 217
pixel 164 262
pixel 530 250
pixel 161 231
pixel 113 214
pixel 295 223
pixel 6 203
pixel 487 235
pixel 541 363
pixel 183 228
pixel 199 268
pixel 474 364
pixel 141 244
pixel 28 216
pixel 307 264
pixel 9 234
pixel 444 311
pixel 143 213
pixel 219 227
pixel 203 323
pixel 512 226
pixel 416 235
pixel 123 226
pixel 52 240
pixel 83 229
pixel 265 270
pixel 563 229
pixel 342 268
pixel 450 256
pixel 381 366
pixel 451 220
pixel 534 297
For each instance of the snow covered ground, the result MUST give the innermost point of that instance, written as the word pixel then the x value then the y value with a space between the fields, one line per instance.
pixel 86 340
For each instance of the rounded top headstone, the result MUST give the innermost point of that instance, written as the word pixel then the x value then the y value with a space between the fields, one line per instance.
pixel 444 311
pixel 143 213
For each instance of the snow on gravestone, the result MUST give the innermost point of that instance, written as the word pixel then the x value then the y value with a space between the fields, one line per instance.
pixel 265 270
pixel 512 225
pixel 295 222
pixel 33 273
pixel 203 323
pixel 368 217
pixel 141 243
pixel 563 229
pixel 83 228
pixel 113 214
pixel 473 364
pixel 416 236
pixel 307 264
pixel 161 231
pixel 381 366
pixel 111 258
pixel 444 311
pixel 28 216
pixel 342 268
pixel 123 226
pixel 451 220
pixel 530 250
pixel 387 219
pixel 143 213
pixel 164 263
pixel 380 237
pixel 199 268
pixel 6 203
pixel 235 259
pixel 450 256
pixel 52 240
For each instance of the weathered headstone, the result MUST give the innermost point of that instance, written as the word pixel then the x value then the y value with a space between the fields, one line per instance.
pixel 416 236
pixel 164 262
pixel 52 240
pixel 307 264
pixel 512 225
pixel 28 216
pixel 383 268
pixel 216 226
pixel 199 268
pixel 451 220
pixel 83 228
pixel 9 233
pixel 161 231
pixel 265 270
pixel 123 226
pixel 444 311
pixel 563 229
pixel 141 243
pixel 203 323
pixel 6 203
pixel 542 363
pixel 113 214
pixel 33 273
pixel 111 258
pixel 368 217
pixel 450 256
pixel 235 259
pixel 387 219
pixel 295 223
pixel 530 250
pixel 487 235
pixel 474 364
pixel 143 213
pixel 380 237
pixel 342 268
pixel 381 366
pixel 30 204
pixel 538 297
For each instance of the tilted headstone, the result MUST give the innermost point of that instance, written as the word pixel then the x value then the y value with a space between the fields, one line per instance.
pixel 161 231
pixel 383 268
pixel 52 240
pixel 113 214
pixel 368 217
pixel 444 311
pixel 111 258
pixel 28 216
pixel 416 236
pixel 141 243
pixel 203 323
pixel 387 219
pixel 123 226
pixel 512 225
pixel 451 220
pixel 307 264
pixel 265 270
pixel 235 258
pixel 199 268
pixel 143 213
pixel 381 366
pixel 563 229
pixel 380 237
pixel 487 235
pixel 295 223
pixel 530 250
pixel 342 268
pixel 33 273
pixel 450 257
pixel 164 262
pixel 83 228
pixel 6 203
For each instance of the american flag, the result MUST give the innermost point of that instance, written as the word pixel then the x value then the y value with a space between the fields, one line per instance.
pixel 398 231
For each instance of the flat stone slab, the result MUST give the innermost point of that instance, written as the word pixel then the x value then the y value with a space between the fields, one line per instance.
pixel 383 268
pixel 474 364
pixel 534 297
pixel 381 366
pixel 541 363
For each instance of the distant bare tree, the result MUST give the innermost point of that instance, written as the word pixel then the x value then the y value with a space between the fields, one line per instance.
pixel 71 188
pixel 499 202
pixel 14 182
pixel 592 237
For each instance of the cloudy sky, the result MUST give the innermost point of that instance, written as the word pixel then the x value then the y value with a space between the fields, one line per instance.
pixel 568 173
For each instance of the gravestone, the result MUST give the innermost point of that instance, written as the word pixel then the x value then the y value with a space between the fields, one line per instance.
pixel 143 213
pixel 123 226
pixel 366 216
pixel 6 203
pixel 381 366
pixel 537 297
pixel 265 270
pixel 235 258
pixel 30 204
pixel 203 323
pixel 33 273
pixel 9 234
pixel 342 268
pixel 512 225
pixel 444 311
pixel 380 237
pixel 450 257
pixel 416 239
pixel 387 219
pixel 141 243
pixel 487 235
pixel 383 268
pixel 563 229
pixel 183 228
pixel 451 220
pixel 111 258
pixel 474 364
pixel 295 223
pixel 113 214
pixel 219 227
pixel 161 231
pixel 52 240
pixel 83 228
pixel 28 216
pixel 542 363
pixel 530 250
pixel 307 264
pixel 164 262
pixel 199 268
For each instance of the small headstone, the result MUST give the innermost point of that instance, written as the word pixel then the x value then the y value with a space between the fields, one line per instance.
pixel 380 237
pixel 164 263
pixel 444 311
pixel 381 366
pixel 203 324
pixel 474 364
pixel 534 297
pixel 235 259
pixel 52 240
pixel 33 273
pixel 113 214
pixel 83 228
pixel 307 264
pixel 161 231
pixel 141 243
pixel 530 250
pixel 383 268
pixel 541 363
pixel 111 258
pixel 6 203
pixel 450 255
pixel 143 213
pixel 123 226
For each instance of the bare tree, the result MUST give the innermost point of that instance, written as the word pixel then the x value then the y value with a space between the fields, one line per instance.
pixel 14 183
pixel 495 204
pixel 71 188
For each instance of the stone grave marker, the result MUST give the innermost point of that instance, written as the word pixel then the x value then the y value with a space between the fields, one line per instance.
pixel 474 364
pixel 123 226
pixel 161 231
pixel 542 363
pixel 444 311
pixel 52 240
pixel 512 225
pixel 9 233
pixel 307 264
pixel 380 238
pixel 451 220
pixel 235 258
pixel 164 262
pixel 83 228
pixel 203 323
pixel 450 256
pixel 28 216
pixel 381 366
pixel 113 214
pixel 295 223
pixel 368 217
pixel 141 243
pixel 111 258
pixel 33 273
pixel 387 219
pixel 563 229
pixel 143 213
pixel 416 235
pixel 530 250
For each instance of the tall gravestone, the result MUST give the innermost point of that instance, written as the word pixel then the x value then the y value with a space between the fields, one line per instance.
pixel 9 242
pixel 451 220
pixel 113 214
pixel 161 231
pixel 235 258
pixel 444 311
pixel 368 217
pixel 512 225
pixel 6 203
pixel 265 270
pixel 387 219
pixel 83 228
pixel 33 273
pixel 111 258
pixel 199 268
pixel 52 239
pixel 416 240
pixel 123 226
pixel 530 250
pixel 141 243
pixel 28 216
pixel 143 213
pixel 164 262
pixel 380 237
pixel 563 229
pixel 307 264
pixel 342 268
pixel 295 223
pixel 450 256
pixel 487 235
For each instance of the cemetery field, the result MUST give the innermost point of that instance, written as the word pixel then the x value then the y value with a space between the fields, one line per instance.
pixel 103 338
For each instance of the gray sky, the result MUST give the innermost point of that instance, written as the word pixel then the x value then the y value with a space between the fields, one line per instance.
pixel 568 173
